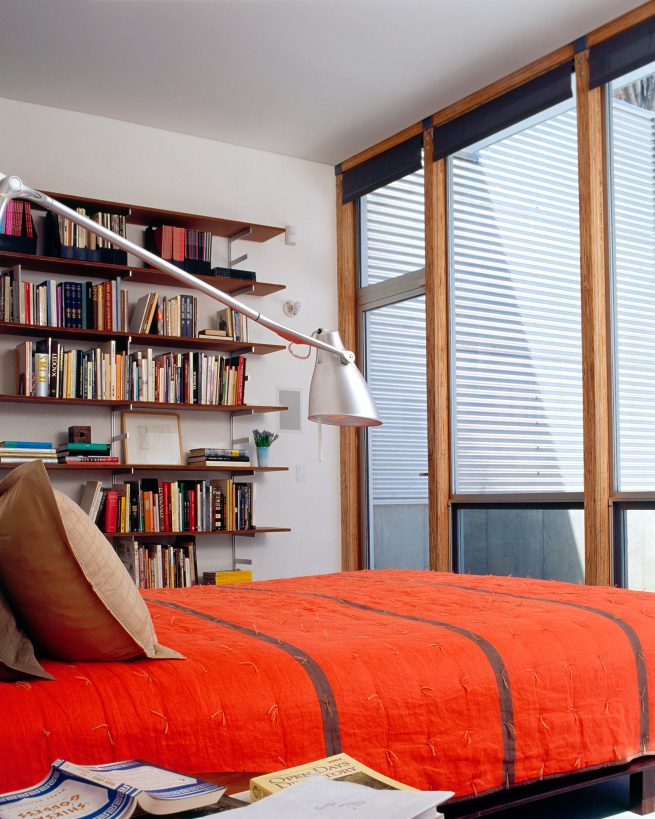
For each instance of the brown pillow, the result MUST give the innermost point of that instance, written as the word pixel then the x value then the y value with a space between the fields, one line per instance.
pixel 17 658
pixel 66 584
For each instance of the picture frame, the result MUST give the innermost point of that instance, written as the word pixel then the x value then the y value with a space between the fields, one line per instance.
pixel 152 438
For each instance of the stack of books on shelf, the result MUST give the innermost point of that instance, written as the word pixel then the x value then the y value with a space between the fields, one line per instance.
pixel 18 452
pixel 160 565
pixel 17 234
pixel 74 452
pixel 226 578
pixel 67 240
pixel 234 273
pixel 186 248
pixel 234 323
pixel 72 304
pixel 165 315
pixel 154 505
pixel 45 368
pixel 208 456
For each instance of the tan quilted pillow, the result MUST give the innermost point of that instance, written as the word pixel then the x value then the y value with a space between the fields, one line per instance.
pixel 17 658
pixel 66 584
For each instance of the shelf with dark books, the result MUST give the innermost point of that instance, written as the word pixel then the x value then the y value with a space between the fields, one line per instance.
pixel 258 530
pixel 218 343
pixel 118 468
pixel 142 275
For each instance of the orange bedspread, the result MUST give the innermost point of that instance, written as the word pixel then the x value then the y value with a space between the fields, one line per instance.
pixel 448 681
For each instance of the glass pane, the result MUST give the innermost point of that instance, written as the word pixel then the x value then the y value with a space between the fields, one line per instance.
pixel 515 308
pixel 639 528
pixel 526 542
pixel 397 451
pixel 392 229
pixel 633 201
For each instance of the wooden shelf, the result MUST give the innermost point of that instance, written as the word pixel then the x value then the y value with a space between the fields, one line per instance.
pixel 235 287
pixel 260 530
pixel 142 275
pixel 140 215
pixel 70 267
pixel 141 339
pixel 236 409
pixel 125 468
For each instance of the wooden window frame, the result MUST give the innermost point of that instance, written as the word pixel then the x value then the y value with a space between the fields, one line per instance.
pixel 595 309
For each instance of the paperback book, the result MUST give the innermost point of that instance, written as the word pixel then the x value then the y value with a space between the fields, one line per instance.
pixel 112 791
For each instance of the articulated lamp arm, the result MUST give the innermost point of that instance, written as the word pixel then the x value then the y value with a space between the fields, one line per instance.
pixel 338 396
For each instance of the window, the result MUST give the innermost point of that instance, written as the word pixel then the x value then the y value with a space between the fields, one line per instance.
pixel 516 372
pixel 392 309
pixel 632 152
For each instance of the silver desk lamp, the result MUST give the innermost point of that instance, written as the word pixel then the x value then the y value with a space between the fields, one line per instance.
pixel 338 394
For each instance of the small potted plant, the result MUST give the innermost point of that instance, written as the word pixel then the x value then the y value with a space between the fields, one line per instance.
pixel 263 440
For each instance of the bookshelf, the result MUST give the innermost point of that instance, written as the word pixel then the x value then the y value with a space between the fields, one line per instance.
pixel 137 274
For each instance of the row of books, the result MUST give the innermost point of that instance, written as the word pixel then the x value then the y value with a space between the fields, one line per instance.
pixel 169 316
pixel 67 240
pixel 160 565
pixel 155 505
pixel 105 306
pixel 186 248
pixel 17 232
pixel 45 368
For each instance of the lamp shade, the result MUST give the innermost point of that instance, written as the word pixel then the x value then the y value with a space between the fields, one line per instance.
pixel 338 394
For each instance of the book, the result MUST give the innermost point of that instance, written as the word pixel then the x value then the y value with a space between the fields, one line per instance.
pixel 210 332
pixel 113 791
pixel 90 499
pixel 226 577
pixel 340 767
pixel 79 446
pixel 218 463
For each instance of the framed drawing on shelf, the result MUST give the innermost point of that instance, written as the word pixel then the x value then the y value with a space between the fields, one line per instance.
pixel 152 438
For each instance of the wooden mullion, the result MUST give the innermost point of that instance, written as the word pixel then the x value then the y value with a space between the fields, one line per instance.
pixel 438 405
pixel 352 554
pixel 595 329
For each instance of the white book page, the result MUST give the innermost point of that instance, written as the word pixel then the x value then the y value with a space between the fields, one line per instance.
pixel 318 796
pixel 147 778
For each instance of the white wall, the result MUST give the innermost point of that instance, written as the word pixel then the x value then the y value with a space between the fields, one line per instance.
pixel 91 156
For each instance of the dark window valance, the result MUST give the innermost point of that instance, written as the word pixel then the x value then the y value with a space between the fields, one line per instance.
pixel 528 99
pixel 382 169
pixel 622 53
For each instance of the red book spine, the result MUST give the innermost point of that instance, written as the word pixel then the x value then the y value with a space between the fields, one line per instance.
pixel 192 511
pixel 111 510
pixel 167 506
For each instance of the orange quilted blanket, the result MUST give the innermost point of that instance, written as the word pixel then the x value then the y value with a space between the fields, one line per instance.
pixel 448 681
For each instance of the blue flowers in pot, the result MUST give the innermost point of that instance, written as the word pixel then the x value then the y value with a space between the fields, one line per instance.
pixel 263 440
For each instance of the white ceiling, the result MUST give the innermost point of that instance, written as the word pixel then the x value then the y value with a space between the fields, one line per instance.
pixel 318 79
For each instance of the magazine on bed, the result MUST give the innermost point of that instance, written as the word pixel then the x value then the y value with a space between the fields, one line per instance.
pixel 111 791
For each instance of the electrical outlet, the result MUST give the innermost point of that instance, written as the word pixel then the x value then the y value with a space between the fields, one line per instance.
pixel 300 473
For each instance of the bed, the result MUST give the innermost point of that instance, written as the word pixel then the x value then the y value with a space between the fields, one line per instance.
pixel 466 683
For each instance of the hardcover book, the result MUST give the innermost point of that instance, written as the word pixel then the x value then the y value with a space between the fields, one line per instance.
pixel 112 791
pixel 340 767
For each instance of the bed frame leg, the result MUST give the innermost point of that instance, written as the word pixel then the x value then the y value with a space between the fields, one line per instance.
pixel 642 792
